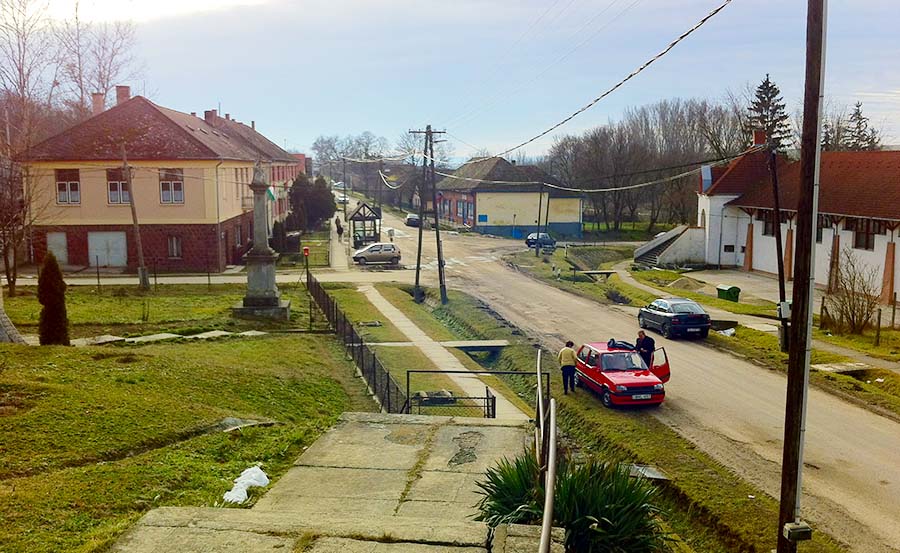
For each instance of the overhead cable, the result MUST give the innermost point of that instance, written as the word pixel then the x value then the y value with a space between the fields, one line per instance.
pixel 631 75
pixel 386 183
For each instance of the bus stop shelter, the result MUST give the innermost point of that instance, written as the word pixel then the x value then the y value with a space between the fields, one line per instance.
pixel 365 225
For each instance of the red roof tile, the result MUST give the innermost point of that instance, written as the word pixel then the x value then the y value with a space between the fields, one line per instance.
pixel 857 184
pixel 152 133
pixel 739 175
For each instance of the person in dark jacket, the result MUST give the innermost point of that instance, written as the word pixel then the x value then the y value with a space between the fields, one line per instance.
pixel 645 347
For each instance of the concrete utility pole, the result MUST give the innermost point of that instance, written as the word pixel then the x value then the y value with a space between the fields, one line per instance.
pixel 419 296
pixel 143 275
pixel 790 528
pixel 537 235
pixel 344 176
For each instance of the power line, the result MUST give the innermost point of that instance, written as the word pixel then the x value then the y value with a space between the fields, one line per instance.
pixel 631 75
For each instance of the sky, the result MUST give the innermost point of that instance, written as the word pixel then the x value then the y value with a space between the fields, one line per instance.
pixel 493 73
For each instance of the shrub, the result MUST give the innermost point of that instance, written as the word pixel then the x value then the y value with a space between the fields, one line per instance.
pixel 54 323
pixel 601 507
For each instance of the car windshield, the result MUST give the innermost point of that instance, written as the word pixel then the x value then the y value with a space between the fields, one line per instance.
pixel 687 308
pixel 622 361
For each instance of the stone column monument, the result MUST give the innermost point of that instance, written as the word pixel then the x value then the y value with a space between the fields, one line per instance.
pixel 263 300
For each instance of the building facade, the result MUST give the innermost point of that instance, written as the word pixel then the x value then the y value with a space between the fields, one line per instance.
pixel 189 177
pixel 494 196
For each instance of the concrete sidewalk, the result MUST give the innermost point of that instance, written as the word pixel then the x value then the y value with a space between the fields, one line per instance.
pixel 372 484
pixel 440 355
pixel 338 257
pixel 760 323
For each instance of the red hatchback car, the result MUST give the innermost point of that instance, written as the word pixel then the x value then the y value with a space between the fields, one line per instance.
pixel 616 372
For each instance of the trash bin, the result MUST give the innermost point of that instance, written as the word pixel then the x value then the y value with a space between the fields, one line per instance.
pixel 730 293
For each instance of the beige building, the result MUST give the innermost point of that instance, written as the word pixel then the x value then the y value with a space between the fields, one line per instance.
pixel 190 179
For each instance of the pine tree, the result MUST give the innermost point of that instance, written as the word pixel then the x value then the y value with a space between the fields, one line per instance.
pixel 767 111
pixel 859 136
pixel 53 326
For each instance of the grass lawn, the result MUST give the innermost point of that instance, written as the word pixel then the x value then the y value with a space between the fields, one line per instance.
pixel 888 349
pixel 599 257
pixel 94 437
pixel 359 310
pixel 629 232
pixel 177 308
pixel 708 505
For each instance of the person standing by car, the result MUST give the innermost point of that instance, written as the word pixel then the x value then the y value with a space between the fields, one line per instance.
pixel 645 346
pixel 566 358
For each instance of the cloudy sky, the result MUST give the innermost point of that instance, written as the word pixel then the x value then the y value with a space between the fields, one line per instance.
pixel 492 72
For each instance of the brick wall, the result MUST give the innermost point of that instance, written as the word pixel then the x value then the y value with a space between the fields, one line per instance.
pixel 198 244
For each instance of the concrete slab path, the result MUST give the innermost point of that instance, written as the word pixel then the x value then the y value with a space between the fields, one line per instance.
pixel 440 355
pixel 373 483
pixel 338 257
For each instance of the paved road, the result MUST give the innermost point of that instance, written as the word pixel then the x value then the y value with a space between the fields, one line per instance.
pixel 732 409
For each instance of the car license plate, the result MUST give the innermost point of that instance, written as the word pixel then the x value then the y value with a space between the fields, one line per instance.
pixel 693 330
pixel 641 396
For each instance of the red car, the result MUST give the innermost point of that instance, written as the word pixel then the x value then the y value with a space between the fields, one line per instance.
pixel 616 372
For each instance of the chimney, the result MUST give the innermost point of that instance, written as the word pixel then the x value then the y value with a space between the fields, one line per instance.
pixel 228 117
pixel 512 161
pixel 759 137
pixel 193 114
pixel 123 94
pixel 253 125
pixel 98 103
pixel 210 116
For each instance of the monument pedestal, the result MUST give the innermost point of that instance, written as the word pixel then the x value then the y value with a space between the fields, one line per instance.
pixel 263 299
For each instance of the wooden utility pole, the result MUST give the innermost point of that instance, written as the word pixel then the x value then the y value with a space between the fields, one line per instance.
pixel 782 295
pixel 143 275
pixel 418 295
pixel 790 528
pixel 537 235
pixel 428 178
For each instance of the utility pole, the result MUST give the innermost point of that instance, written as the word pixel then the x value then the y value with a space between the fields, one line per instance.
pixel 344 177
pixel 537 235
pixel 143 276
pixel 418 295
pixel 437 225
pixel 790 528
pixel 783 336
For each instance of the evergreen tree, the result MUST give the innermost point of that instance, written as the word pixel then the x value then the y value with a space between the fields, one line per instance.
pixel 767 111
pixel 53 326
pixel 859 136
pixel 311 203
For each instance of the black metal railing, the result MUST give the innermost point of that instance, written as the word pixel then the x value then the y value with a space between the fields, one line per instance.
pixel 449 404
pixel 382 385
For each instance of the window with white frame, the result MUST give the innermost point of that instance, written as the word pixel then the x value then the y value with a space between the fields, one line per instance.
pixel 68 187
pixel 238 239
pixel 116 187
pixel 171 186
pixel 174 247
pixel 470 213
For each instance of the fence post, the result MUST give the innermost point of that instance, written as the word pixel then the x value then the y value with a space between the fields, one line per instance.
pixel 97 264
pixel 878 329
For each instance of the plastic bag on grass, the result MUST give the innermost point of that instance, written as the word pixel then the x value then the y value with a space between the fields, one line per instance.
pixel 253 476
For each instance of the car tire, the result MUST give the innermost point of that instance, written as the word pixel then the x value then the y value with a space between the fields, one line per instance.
pixel 606 398
pixel 362 260
pixel 667 330
pixel 641 322
pixel 704 333
pixel 395 260
pixel 578 382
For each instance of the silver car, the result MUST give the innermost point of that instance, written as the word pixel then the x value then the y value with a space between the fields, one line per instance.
pixel 379 252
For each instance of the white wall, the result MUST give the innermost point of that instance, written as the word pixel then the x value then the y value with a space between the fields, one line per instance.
pixel 725 226
pixel 688 249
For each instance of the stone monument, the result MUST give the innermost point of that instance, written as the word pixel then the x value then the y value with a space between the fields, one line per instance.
pixel 263 300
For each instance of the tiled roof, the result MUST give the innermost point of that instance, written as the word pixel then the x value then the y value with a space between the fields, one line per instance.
pixel 857 184
pixel 498 169
pixel 150 133
pixel 739 175
pixel 265 148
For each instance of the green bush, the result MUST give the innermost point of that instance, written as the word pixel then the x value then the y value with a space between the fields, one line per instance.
pixel 53 326
pixel 600 505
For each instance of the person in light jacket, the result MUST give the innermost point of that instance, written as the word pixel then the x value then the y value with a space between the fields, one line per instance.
pixel 566 358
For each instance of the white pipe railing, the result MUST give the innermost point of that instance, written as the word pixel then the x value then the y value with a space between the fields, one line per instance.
pixel 549 483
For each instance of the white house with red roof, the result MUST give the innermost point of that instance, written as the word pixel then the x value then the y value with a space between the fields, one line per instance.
pixel 190 177
pixel 859 209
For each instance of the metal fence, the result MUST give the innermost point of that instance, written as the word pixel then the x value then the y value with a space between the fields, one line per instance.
pixel 380 381
pixel 448 404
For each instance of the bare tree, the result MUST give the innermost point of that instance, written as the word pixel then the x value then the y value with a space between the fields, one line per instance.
pixel 856 295
pixel 20 208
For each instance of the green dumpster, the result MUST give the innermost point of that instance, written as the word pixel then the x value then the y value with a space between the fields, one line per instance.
pixel 730 293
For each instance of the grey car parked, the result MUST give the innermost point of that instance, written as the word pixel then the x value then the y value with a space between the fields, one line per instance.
pixel 379 252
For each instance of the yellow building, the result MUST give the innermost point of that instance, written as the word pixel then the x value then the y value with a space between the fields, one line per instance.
pixel 189 176
pixel 495 196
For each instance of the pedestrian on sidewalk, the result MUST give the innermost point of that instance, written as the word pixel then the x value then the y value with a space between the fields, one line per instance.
pixel 566 358
pixel 645 346
pixel 391 234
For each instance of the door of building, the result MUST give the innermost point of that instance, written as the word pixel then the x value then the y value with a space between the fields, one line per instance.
pixel 58 246
pixel 107 249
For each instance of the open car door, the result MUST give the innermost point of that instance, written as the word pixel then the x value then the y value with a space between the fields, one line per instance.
pixel 660 365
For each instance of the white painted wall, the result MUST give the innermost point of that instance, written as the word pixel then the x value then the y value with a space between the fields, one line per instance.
pixel 687 249
pixel 725 226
